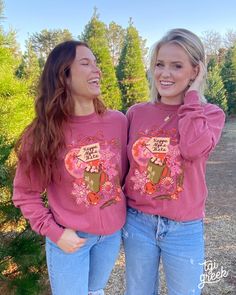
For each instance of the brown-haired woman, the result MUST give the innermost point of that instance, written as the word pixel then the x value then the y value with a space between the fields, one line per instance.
pixel 75 149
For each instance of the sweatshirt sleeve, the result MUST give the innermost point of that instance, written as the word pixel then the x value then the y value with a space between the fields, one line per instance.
pixel 200 127
pixel 27 191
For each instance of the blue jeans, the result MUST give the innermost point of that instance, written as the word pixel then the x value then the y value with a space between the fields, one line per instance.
pixel 180 245
pixel 85 271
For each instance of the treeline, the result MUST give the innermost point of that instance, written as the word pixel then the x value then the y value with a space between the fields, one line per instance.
pixel 122 56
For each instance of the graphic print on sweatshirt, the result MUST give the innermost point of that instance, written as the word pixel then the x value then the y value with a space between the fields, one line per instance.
pixel 95 169
pixel 159 171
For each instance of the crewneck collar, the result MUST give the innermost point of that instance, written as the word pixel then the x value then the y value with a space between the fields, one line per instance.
pixel 167 107
pixel 83 118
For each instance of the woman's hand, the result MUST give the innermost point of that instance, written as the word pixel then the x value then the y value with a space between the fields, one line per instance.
pixel 69 241
pixel 196 84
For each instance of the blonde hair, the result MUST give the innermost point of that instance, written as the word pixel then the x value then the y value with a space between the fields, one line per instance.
pixel 190 43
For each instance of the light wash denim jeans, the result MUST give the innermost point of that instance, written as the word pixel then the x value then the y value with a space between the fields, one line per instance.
pixel 149 238
pixel 85 271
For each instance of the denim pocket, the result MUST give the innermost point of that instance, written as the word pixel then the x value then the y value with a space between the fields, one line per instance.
pixel 52 244
pixel 192 227
pixel 84 235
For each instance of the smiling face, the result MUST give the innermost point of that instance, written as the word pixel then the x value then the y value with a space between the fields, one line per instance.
pixel 173 72
pixel 85 76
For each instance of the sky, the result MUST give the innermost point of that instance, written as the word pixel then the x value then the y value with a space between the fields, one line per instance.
pixel 151 18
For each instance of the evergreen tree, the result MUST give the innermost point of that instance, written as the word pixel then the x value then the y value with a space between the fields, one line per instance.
pixel 29 69
pixel 95 35
pixel 144 51
pixel 22 258
pixel 215 92
pixel 130 71
pixel 228 74
pixel 115 36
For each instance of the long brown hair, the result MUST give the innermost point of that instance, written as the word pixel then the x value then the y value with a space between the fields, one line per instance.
pixel 41 141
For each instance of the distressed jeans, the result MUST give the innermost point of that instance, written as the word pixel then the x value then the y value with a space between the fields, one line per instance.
pixel 86 271
pixel 149 238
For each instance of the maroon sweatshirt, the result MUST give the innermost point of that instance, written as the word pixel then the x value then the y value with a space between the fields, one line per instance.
pixel 86 192
pixel 168 149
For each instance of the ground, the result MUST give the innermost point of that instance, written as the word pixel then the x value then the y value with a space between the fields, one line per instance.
pixel 220 223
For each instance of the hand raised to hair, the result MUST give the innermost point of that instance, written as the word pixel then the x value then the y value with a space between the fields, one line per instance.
pixel 69 241
pixel 199 78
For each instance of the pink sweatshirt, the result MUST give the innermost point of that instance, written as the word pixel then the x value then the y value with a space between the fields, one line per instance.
pixel 86 194
pixel 168 149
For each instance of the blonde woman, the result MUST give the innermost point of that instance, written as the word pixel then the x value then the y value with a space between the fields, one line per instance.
pixel 170 139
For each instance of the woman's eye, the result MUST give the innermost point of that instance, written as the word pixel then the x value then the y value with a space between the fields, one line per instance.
pixel 178 66
pixel 159 65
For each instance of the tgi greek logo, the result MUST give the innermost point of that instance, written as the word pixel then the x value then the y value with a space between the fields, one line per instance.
pixel 213 273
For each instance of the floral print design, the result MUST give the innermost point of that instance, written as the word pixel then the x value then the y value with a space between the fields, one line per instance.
pixel 158 172
pixel 94 164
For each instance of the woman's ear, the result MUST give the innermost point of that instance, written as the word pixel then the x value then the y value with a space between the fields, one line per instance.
pixel 196 70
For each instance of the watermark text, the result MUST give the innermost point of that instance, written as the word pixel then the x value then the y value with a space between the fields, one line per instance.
pixel 213 273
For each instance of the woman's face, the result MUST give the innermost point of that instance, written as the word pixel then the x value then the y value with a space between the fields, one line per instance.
pixel 84 75
pixel 173 72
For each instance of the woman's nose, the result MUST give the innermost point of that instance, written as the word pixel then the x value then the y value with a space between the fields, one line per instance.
pixel 165 72
pixel 96 69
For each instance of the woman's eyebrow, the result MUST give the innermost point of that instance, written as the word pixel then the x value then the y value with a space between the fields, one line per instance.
pixel 87 59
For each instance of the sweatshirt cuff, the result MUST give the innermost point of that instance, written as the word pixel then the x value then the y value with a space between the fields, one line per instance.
pixel 192 97
pixel 54 232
